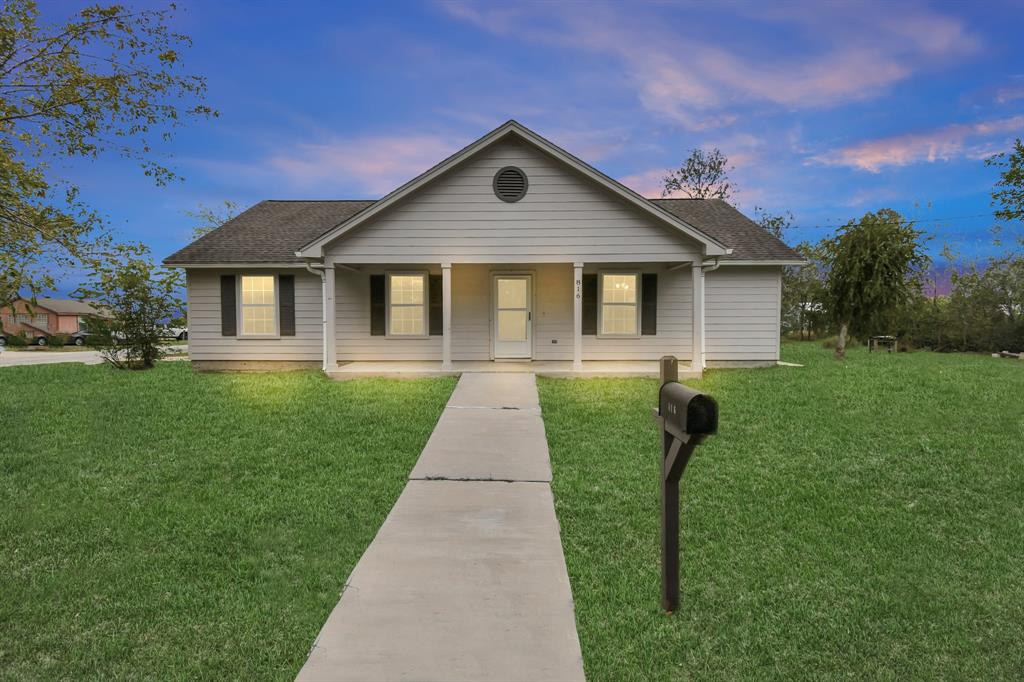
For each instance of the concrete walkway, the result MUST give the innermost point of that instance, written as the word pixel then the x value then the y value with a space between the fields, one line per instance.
pixel 466 579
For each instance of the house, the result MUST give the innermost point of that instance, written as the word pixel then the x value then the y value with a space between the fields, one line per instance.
pixel 45 317
pixel 510 249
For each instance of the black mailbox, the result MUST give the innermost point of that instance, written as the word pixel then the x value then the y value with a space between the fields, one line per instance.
pixel 687 412
pixel 686 417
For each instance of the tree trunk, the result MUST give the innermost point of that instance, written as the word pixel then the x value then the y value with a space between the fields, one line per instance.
pixel 841 341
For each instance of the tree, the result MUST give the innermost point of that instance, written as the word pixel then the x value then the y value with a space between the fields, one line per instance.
pixel 874 266
pixel 803 292
pixel 140 297
pixel 775 224
pixel 209 218
pixel 108 80
pixel 704 175
pixel 1008 194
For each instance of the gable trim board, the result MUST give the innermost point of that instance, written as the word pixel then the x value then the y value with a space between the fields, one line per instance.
pixel 572 223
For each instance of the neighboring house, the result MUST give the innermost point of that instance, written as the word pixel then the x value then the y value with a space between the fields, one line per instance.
pixel 511 249
pixel 45 317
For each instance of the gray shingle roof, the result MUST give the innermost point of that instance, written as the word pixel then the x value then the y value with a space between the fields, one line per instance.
pixel 722 221
pixel 269 232
pixel 272 231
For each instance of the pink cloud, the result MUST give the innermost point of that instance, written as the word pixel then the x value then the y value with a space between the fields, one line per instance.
pixel 377 164
pixel 970 140
pixel 647 183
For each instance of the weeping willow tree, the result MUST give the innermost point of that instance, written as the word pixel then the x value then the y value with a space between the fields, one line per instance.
pixel 875 265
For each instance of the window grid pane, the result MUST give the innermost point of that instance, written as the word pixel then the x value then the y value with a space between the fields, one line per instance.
pixel 257 320
pixel 619 304
pixel 407 297
pixel 259 301
pixel 619 288
pixel 258 290
pixel 407 289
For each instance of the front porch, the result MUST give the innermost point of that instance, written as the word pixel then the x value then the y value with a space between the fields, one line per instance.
pixel 548 368
pixel 544 318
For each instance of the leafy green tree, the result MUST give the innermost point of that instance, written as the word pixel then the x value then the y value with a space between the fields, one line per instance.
pixel 874 267
pixel 209 218
pixel 107 80
pixel 1008 194
pixel 804 308
pixel 704 175
pixel 139 297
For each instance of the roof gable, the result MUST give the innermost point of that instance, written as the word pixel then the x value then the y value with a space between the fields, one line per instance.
pixel 315 248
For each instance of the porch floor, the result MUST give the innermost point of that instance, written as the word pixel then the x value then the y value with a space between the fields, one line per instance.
pixel 549 368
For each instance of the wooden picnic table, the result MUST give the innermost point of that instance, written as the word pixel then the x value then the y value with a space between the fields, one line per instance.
pixel 890 342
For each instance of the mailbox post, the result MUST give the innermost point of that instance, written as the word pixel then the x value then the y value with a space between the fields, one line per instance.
pixel 685 416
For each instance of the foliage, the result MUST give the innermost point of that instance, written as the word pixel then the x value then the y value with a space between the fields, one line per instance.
pixel 775 224
pixel 17 340
pixel 57 340
pixel 209 218
pixel 1008 194
pixel 874 267
pixel 140 297
pixel 704 175
pixel 803 293
pixel 108 80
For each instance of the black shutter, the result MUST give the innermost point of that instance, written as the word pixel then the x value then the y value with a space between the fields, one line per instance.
pixel 377 305
pixel 436 305
pixel 228 308
pixel 286 304
pixel 590 305
pixel 649 304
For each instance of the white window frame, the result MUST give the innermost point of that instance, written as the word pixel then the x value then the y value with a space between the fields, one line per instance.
pixel 387 303
pixel 600 303
pixel 277 306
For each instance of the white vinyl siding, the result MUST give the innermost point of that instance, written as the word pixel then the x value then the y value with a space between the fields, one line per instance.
pixel 563 217
pixel 552 318
pixel 742 306
pixel 205 342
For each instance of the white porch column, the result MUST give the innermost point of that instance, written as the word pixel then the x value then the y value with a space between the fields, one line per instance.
pixel 577 316
pixel 330 345
pixel 698 316
pixel 446 315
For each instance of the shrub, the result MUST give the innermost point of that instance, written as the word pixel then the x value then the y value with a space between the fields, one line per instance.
pixel 17 340
pixel 140 296
pixel 58 340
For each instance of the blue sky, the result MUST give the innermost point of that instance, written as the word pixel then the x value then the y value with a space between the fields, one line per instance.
pixel 826 110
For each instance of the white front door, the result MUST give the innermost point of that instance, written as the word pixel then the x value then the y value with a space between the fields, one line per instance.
pixel 513 316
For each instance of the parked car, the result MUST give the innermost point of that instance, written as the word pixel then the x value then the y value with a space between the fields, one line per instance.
pixel 79 338
pixel 3 339
pixel 178 333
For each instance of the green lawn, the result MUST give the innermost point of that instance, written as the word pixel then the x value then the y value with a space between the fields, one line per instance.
pixel 861 520
pixel 174 525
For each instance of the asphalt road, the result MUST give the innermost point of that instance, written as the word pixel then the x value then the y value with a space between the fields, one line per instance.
pixel 10 358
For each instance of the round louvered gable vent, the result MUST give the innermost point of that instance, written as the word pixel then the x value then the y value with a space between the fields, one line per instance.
pixel 510 184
